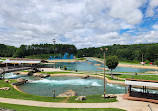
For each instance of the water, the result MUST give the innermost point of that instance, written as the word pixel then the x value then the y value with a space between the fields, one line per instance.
pixel 85 66
pixel 12 76
pixel 90 86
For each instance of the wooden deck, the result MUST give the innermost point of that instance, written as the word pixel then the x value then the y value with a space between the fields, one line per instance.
pixel 126 96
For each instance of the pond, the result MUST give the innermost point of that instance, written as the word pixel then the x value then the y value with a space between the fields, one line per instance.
pixel 90 66
pixel 90 86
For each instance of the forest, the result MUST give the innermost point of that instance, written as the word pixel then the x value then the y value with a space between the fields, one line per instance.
pixel 7 51
pixel 128 53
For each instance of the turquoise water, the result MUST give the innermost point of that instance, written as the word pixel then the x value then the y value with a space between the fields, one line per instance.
pixel 90 86
pixel 85 66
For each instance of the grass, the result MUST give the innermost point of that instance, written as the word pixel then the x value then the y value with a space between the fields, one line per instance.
pixel 146 77
pixel 55 72
pixel 92 99
pixel 114 79
pixel 13 93
pixel 33 108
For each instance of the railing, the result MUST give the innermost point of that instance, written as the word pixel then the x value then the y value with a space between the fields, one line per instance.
pixel 144 95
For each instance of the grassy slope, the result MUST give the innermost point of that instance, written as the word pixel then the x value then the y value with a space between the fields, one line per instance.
pixel 12 93
pixel 59 72
pixel 33 108
pixel 92 99
pixel 146 77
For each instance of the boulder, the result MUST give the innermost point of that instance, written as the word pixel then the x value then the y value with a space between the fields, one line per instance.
pixel 37 74
pixel 68 93
pixel 36 70
pixel 5 109
pixel 80 98
pixel 5 88
pixel 109 96
pixel 40 75
pixel 31 73
pixel 20 81
pixel 85 77
pixel 6 81
pixel 16 73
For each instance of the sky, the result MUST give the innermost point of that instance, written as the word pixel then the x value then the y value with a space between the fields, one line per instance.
pixel 84 23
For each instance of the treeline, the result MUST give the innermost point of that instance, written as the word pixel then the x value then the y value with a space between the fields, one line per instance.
pixel 7 51
pixel 38 49
pixel 129 53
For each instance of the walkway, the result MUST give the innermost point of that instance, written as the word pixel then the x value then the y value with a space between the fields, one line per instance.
pixel 122 104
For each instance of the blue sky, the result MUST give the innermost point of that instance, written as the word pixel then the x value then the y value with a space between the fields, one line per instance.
pixel 84 23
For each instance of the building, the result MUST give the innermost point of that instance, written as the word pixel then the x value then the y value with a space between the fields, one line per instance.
pixel 21 62
pixel 143 90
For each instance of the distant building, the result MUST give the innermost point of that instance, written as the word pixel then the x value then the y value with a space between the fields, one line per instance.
pixel 16 62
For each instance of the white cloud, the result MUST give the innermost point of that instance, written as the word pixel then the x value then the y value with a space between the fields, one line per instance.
pixel 127 10
pixel 155 27
pixel 149 37
pixel 150 9
pixel 84 23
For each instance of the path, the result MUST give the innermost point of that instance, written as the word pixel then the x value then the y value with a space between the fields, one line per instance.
pixel 122 104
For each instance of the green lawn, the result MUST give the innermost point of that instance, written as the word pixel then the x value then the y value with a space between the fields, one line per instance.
pixel 146 77
pixel 13 93
pixel 59 72
pixel 92 99
pixel 33 108
pixel 113 79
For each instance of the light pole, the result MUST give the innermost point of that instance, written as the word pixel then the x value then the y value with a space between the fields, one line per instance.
pixel 54 49
pixel 104 50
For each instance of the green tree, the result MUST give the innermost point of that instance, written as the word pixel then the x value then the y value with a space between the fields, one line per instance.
pixel 112 62
pixel 157 63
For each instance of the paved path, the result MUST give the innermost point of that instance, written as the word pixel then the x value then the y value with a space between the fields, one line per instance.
pixel 123 104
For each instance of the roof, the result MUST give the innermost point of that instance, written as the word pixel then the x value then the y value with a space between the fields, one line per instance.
pixel 140 82
pixel 22 61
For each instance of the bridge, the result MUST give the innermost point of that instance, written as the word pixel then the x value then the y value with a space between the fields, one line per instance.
pixel 11 69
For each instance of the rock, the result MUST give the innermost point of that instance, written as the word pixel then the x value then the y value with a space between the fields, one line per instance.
pixel 97 64
pixel 30 73
pixel 106 69
pixel 40 75
pixel 115 78
pixel 85 77
pixel 68 93
pixel 37 74
pixel 16 73
pixel 6 81
pixel 109 96
pixel 20 81
pixel 36 70
pixel 80 98
pixel 5 88
pixel 5 109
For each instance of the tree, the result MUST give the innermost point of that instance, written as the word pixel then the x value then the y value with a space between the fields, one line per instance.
pixel 112 62
pixel 157 63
